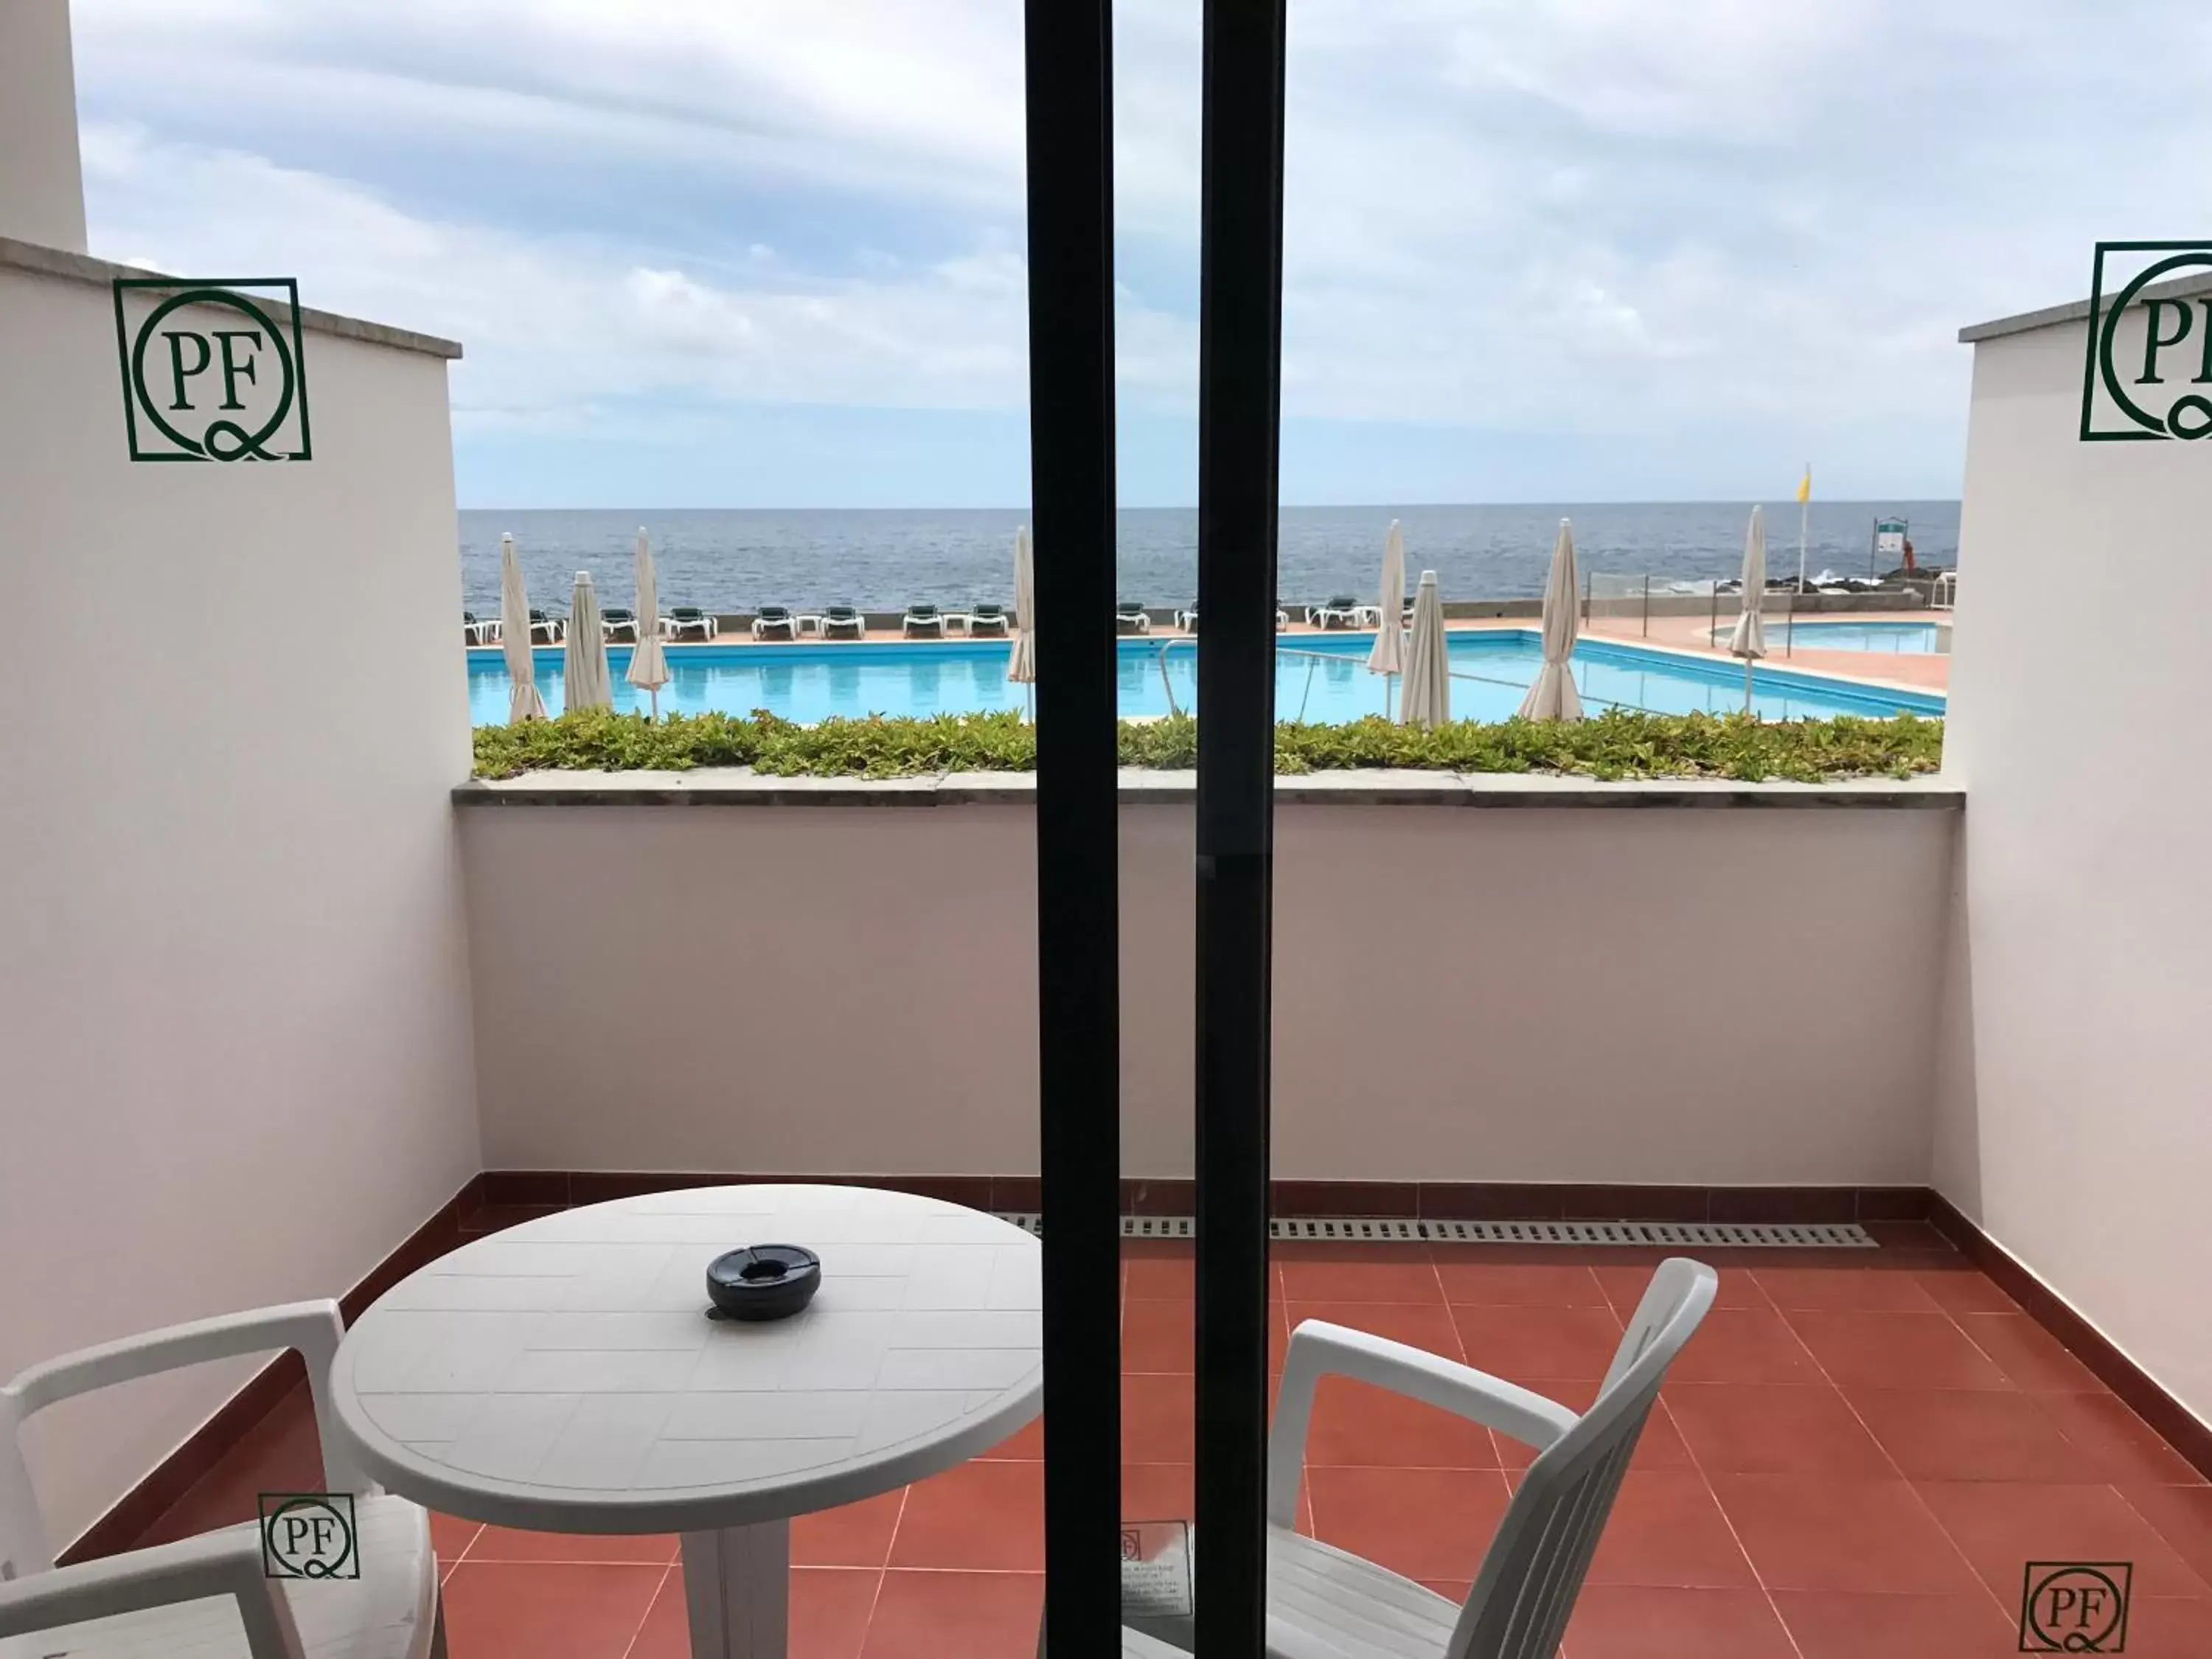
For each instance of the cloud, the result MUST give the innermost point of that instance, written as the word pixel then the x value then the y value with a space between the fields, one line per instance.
pixel 1566 216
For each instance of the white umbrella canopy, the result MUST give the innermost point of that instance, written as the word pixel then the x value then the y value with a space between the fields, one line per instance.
pixel 584 683
pixel 1388 656
pixel 1553 697
pixel 648 663
pixel 1021 660
pixel 523 703
pixel 1427 698
pixel 1748 639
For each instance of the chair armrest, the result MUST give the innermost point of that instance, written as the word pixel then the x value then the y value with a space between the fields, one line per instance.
pixel 313 1328
pixel 1319 1349
pixel 192 1570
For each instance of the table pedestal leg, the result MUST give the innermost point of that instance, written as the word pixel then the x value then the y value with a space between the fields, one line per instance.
pixel 737 1588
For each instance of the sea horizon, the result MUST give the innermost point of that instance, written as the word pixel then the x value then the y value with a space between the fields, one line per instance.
pixel 735 559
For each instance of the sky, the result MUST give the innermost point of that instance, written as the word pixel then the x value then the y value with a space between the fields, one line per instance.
pixel 770 252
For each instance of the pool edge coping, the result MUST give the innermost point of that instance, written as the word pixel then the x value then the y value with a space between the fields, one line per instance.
pixel 741 787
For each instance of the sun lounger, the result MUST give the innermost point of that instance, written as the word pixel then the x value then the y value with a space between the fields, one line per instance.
pixel 1342 611
pixel 616 619
pixel 922 616
pixel 990 617
pixel 1132 617
pixel 842 619
pixel 1187 620
pixel 479 630
pixel 775 618
pixel 555 629
pixel 683 619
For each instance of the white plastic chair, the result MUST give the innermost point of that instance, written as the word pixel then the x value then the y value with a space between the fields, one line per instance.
pixel 208 1597
pixel 1326 1603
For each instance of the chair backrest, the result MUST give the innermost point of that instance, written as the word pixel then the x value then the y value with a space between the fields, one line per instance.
pixel 921 610
pixel 686 613
pixel 774 612
pixel 1534 1570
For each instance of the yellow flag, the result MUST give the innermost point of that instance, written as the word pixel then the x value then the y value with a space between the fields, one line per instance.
pixel 1805 488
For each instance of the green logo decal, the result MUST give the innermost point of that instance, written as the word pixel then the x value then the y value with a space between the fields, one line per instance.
pixel 308 1534
pixel 2143 384
pixel 212 371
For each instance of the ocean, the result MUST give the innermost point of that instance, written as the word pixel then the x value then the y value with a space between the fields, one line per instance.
pixel 737 559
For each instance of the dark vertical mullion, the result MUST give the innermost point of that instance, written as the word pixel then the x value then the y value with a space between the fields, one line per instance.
pixel 1071 251
pixel 1240 384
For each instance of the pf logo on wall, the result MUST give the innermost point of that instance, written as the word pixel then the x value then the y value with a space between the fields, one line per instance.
pixel 2149 373
pixel 213 370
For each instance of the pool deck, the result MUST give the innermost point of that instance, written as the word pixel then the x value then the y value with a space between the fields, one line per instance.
pixel 1929 671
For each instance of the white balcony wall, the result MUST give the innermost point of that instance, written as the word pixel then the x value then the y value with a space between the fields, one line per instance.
pixel 1462 994
pixel 233 990
pixel 2072 1122
pixel 41 175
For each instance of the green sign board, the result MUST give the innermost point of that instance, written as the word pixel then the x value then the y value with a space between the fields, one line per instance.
pixel 212 371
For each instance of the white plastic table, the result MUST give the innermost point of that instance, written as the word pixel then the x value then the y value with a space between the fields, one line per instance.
pixel 563 1376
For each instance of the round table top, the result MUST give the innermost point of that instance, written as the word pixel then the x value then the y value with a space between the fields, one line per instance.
pixel 563 1375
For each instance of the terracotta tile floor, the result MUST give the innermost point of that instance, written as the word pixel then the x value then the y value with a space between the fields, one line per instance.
pixel 1855 1457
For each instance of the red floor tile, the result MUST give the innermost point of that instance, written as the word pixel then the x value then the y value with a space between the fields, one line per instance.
pixel 1841 1534
pixel 1625 1286
pixel 1159 1336
pixel 829 1611
pixel 1962 1289
pixel 1153 1268
pixel 1894 1351
pixel 1357 1273
pixel 1738 1428
pixel 1158 1419
pixel 1423 1523
pixel 2029 1356
pixel 850 1535
pixel 1636 1621
pixel 1666 1531
pixel 955 1615
pixel 2166 1627
pixel 512 1544
pixel 1969 1434
pixel 1745 1345
pixel 450 1535
pixel 496 1609
pixel 988 1516
pixel 1529 1344
pixel 1424 1325
pixel 1999 1526
pixel 1025 1445
pixel 1355 1424
pixel 1158 1491
pixel 1469 1277
pixel 2183 1516
pixel 1859 1625
pixel 1863 1289
pixel 2120 1447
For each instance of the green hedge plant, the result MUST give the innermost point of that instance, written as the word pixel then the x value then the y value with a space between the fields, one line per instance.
pixel 1617 744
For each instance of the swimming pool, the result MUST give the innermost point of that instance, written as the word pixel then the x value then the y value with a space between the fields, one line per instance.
pixel 1318 677
pixel 1897 638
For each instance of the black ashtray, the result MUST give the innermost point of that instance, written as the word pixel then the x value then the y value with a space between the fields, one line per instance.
pixel 763 1281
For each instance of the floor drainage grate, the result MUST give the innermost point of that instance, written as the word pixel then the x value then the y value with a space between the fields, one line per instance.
pixel 1331 1230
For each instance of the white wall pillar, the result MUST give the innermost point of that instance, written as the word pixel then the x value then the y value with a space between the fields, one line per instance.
pixel 41 178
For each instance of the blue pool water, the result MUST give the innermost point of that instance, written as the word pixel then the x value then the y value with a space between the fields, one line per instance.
pixel 1318 678
pixel 1898 638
